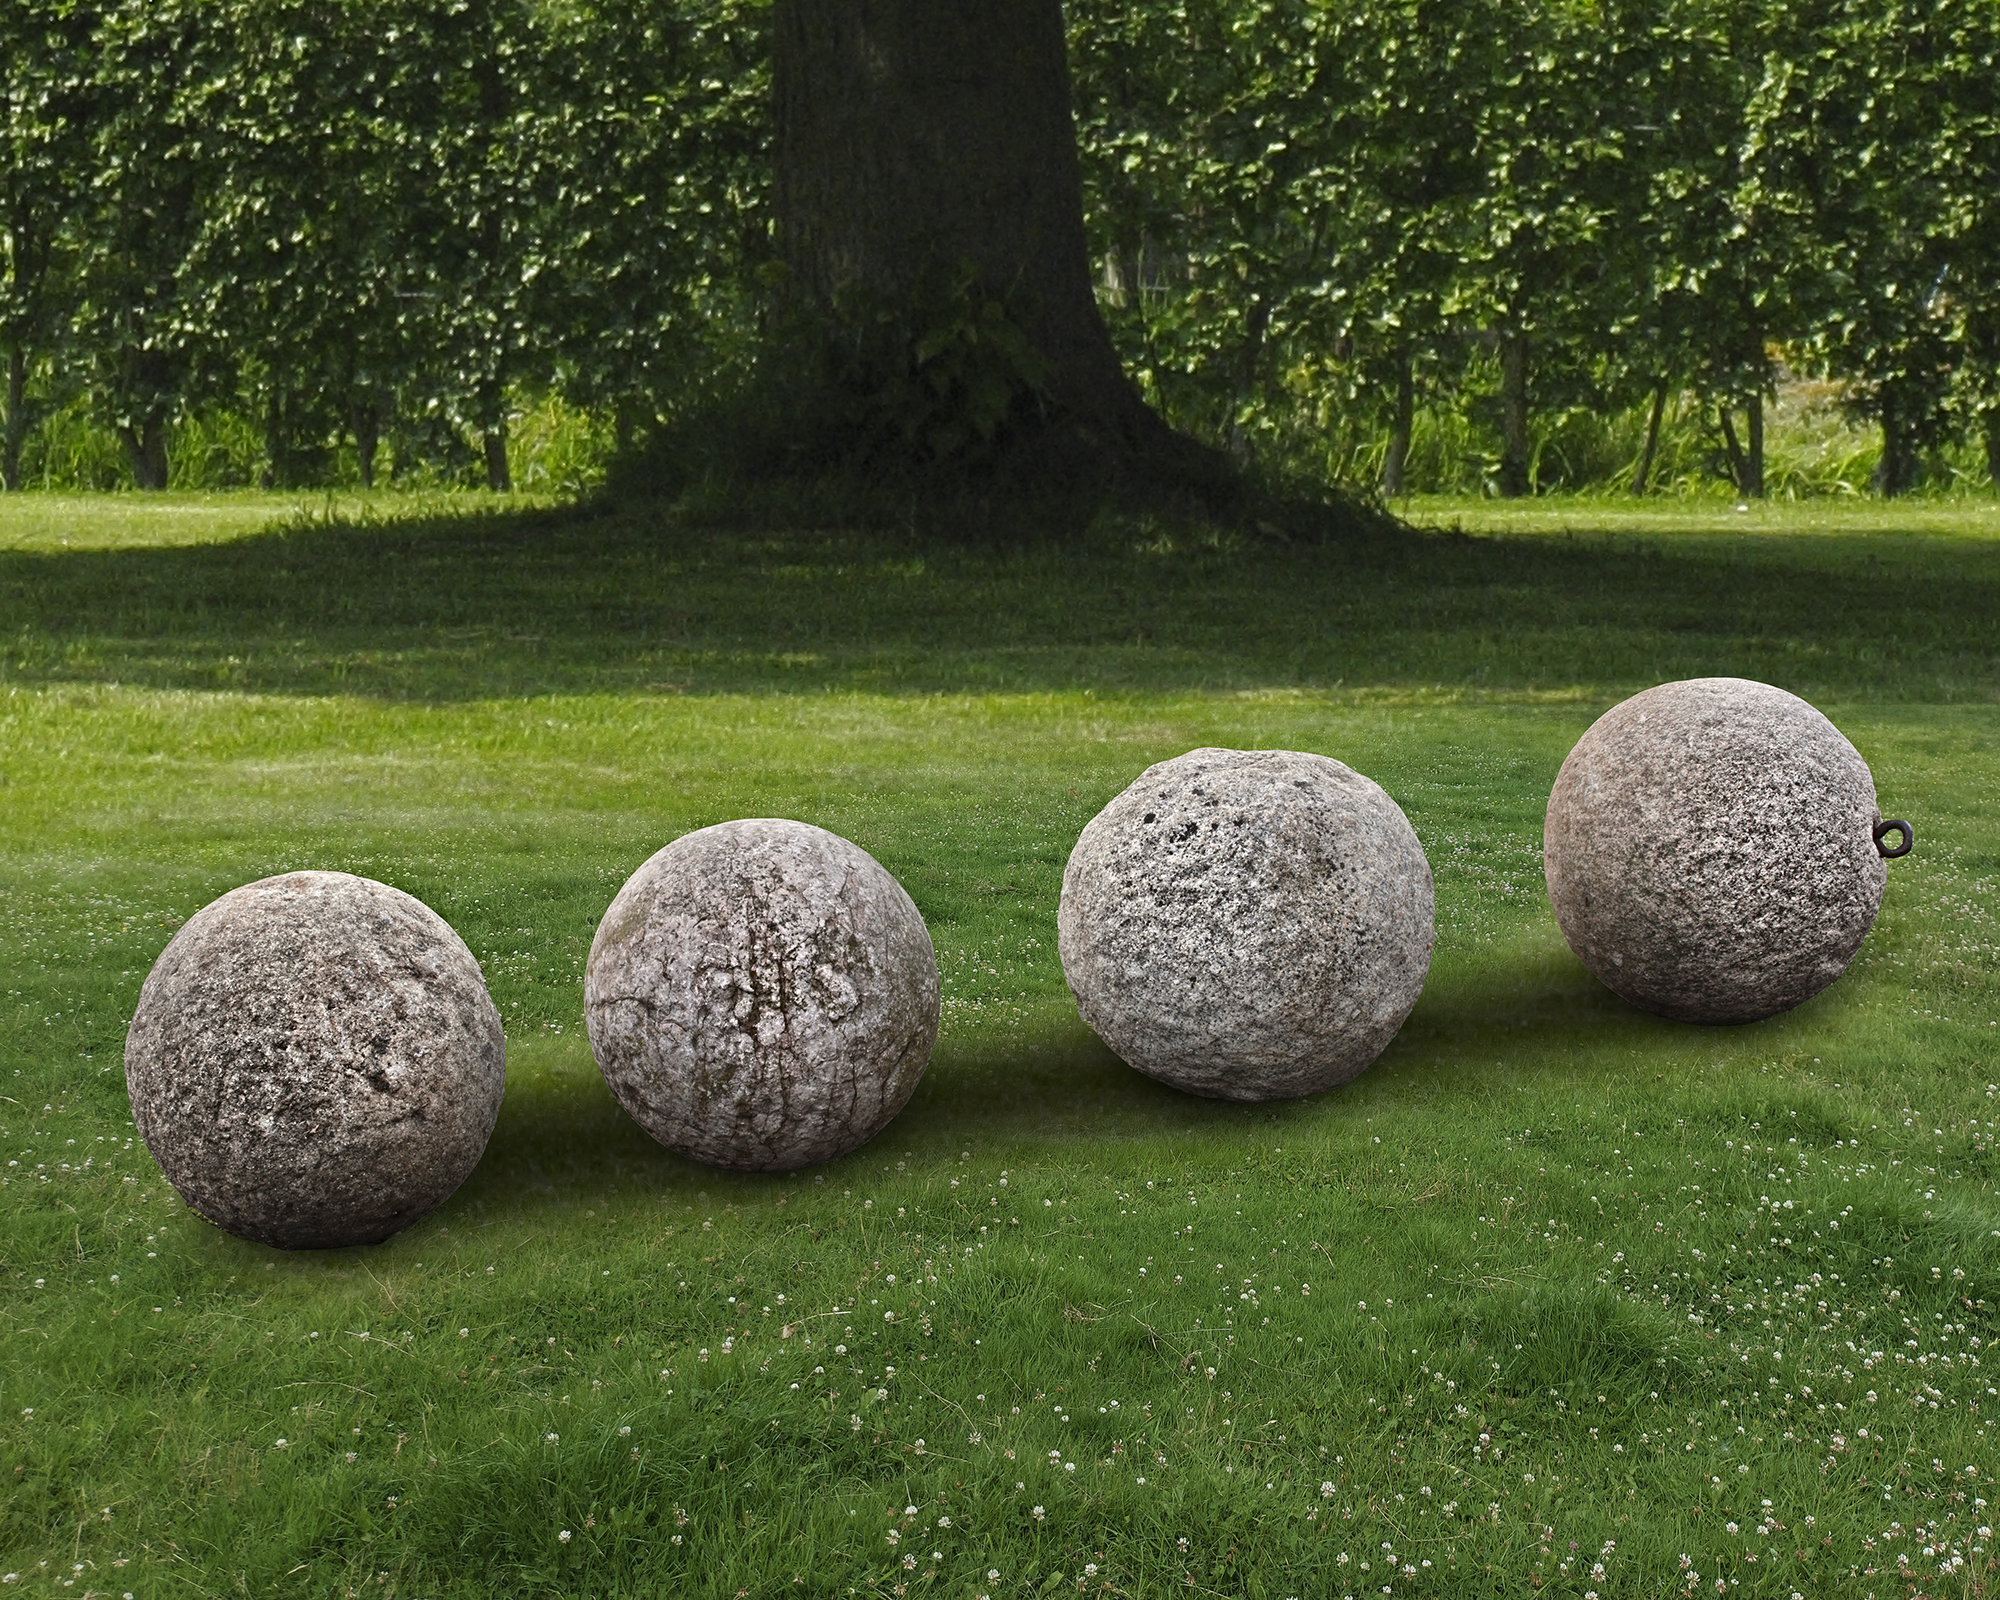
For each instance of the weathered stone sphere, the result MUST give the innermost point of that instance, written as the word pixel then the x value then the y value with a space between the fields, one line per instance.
pixel 1247 924
pixel 762 995
pixel 315 1061
pixel 1710 850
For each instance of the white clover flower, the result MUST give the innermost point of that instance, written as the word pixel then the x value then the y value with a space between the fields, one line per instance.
pixel 1038 1513
pixel 563 1537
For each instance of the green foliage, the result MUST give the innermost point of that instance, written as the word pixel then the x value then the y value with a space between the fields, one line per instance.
pixel 1302 206
pixel 941 376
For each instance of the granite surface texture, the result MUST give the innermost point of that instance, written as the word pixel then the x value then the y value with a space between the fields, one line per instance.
pixel 762 995
pixel 1710 851
pixel 315 1061
pixel 1247 924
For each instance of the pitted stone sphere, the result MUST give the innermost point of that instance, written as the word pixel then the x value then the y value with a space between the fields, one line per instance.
pixel 315 1061
pixel 1247 924
pixel 762 995
pixel 1710 850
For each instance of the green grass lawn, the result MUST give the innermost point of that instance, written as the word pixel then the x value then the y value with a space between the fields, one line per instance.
pixel 1555 1286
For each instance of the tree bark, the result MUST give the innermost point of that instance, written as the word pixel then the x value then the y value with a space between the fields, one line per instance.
pixel 146 452
pixel 1249 370
pixel 499 477
pixel 1644 475
pixel 1396 461
pixel 1514 462
pixel 1753 455
pixel 1739 470
pixel 16 429
pixel 366 426
pixel 923 136
pixel 1896 471
pixel 277 462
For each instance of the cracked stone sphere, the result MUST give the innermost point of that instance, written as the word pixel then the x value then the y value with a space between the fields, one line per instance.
pixel 315 1061
pixel 1710 850
pixel 1247 924
pixel 762 995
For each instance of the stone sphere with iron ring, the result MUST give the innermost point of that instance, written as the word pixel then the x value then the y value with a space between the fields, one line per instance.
pixel 1714 852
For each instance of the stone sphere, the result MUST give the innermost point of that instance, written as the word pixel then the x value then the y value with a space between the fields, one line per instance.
pixel 1247 924
pixel 762 995
pixel 1710 850
pixel 315 1061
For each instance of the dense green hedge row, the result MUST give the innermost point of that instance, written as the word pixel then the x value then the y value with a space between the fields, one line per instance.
pixel 356 222
pixel 371 219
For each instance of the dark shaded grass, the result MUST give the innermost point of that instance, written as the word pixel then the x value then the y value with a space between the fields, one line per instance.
pixel 640 601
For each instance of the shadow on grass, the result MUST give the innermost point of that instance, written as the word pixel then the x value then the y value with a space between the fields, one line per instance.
pixel 1051 1090
pixel 637 601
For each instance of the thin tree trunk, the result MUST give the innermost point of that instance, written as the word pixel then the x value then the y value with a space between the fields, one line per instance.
pixel 367 429
pixel 1514 462
pixel 1739 470
pixel 1249 366
pixel 1396 462
pixel 275 474
pixel 915 138
pixel 1993 446
pixel 16 430
pixel 1753 458
pixel 499 478
pixel 146 452
pixel 1887 481
pixel 1644 475
pixel 1896 471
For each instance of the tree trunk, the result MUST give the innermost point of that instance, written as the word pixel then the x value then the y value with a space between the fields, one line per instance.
pixel 1739 469
pixel 1395 463
pixel 1993 446
pixel 1896 471
pixel 16 428
pixel 1753 455
pixel 146 452
pixel 1514 462
pixel 276 474
pixel 366 426
pixel 1249 368
pixel 499 477
pixel 1644 475
pixel 925 137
